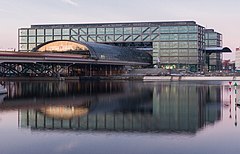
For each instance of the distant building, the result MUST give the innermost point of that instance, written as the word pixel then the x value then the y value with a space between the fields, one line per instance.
pixel 179 44
pixel 228 65
pixel 237 59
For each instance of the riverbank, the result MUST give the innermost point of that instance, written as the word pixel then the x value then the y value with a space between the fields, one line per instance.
pixel 191 78
pixel 126 77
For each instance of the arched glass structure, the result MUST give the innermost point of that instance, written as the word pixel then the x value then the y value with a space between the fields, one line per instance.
pixel 94 51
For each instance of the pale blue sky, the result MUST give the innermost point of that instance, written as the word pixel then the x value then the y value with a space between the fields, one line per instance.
pixel 222 15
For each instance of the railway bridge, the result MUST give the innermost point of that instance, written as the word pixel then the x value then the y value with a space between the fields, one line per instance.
pixel 61 58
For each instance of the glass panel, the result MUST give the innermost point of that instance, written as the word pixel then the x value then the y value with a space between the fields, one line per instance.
pixel 23 39
pixel 83 38
pixel 164 44
pixel 118 30
pixel 192 36
pixel 32 40
pixel 164 37
pixel 154 29
pixel 101 38
pixel 183 36
pixel 23 47
pixel 173 29
pixel 91 30
pixel 127 37
pixel 65 37
pixel 212 42
pixel 137 30
pixel 65 32
pixel 48 31
pixel 32 32
pixel 193 52
pixel 40 31
pixel 212 35
pixel 183 29
pixel 48 38
pixel 146 38
pixel 183 44
pixel 136 37
pixel 92 38
pixel 83 31
pixel 192 44
pixel 119 38
pixel 164 52
pixel 74 31
pixel 127 30
pixel 57 31
pixel 109 38
pixel 173 52
pixel 74 38
pixel 183 52
pixel 145 29
pixel 109 31
pixel 192 28
pixel 164 29
pixel 40 39
pixel 23 32
pixel 155 37
pixel 100 30
pixel 31 46
pixel 173 36
pixel 183 60
pixel 57 37
pixel 173 44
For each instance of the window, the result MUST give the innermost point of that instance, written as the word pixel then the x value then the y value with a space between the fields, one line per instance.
pixel 23 32
pixel 91 31
pixel 109 31
pixel 183 29
pixel 23 39
pixel 32 32
pixel 164 29
pixel 40 39
pixel 127 30
pixel 65 32
pixel 48 32
pixel 136 30
pixel 118 30
pixel 40 32
pixel 32 39
pixel 57 31
pixel 173 29
pixel 100 31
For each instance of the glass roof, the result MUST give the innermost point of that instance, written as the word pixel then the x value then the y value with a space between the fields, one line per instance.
pixel 96 51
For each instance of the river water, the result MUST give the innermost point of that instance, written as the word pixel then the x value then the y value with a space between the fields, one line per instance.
pixel 120 117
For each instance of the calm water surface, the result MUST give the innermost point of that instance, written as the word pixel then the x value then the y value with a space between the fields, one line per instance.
pixel 119 117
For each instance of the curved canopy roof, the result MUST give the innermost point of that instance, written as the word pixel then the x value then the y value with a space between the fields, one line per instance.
pixel 94 51
pixel 217 49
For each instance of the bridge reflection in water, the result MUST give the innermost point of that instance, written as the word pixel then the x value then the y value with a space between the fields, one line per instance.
pixel 126 106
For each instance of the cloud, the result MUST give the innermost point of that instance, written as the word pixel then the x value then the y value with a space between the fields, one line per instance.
pixel 71 2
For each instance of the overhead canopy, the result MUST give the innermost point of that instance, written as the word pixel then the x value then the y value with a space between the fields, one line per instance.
pixel 217 49
pixel 91 50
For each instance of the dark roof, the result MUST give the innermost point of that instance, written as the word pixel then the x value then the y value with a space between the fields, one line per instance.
pixel 217 49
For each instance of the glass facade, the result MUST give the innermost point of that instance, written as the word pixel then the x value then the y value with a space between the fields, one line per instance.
pixel 213 39
pixel 172 44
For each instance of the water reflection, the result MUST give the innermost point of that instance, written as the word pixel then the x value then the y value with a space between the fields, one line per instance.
pixel 115 106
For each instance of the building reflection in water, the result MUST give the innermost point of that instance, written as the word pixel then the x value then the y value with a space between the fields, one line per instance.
pixel 118 106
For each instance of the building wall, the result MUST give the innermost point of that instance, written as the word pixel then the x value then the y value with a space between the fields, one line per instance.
pixel 237 59
pixel 172 44
pixel 213 39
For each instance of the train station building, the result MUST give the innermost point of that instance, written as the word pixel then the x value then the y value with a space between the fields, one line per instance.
pixel 180 44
